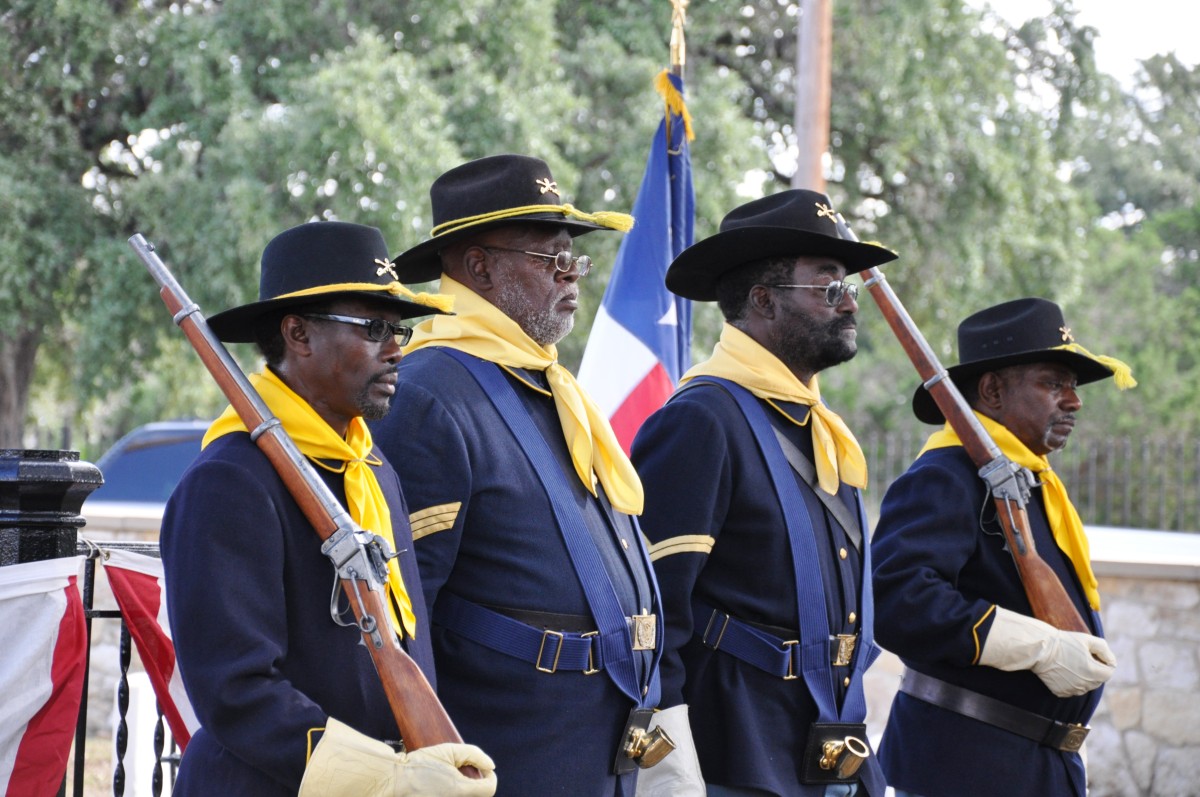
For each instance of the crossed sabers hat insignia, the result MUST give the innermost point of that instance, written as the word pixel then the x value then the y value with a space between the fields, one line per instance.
pixel 386 265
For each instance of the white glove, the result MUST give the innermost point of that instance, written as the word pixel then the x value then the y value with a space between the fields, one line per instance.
pixel 1069 663
pixel 677 775
pixel 347 763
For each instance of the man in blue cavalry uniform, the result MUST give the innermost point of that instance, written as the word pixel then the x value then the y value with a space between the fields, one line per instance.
pixel 544 605
pixel 288 698
pixel 993 702
pixel 755 520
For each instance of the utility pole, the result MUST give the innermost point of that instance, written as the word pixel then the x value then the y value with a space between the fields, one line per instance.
pixel 814 67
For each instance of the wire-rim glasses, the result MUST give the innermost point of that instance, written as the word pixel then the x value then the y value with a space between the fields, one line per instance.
pixel 564 262
pixel 378 329
pixel 835 291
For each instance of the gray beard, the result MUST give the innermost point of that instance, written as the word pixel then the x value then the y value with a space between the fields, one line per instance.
pixel 543 325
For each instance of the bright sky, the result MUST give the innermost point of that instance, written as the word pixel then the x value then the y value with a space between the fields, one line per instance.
pixel 1126 31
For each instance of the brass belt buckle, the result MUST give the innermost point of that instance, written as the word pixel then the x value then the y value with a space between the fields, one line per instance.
pixel 537 665
pixel 720 634
pixel 592 669
pixel 645 631
pixel 789 646
pixel 1074 738
pixel 845 649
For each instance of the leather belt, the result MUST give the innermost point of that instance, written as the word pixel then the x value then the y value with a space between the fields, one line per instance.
pixel 757 647
pixel 1065 736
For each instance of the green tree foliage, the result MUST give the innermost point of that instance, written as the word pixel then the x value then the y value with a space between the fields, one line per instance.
pixel 210 126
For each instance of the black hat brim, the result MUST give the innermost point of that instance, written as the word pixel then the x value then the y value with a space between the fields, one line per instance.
pixel 236 325
pixel 695 272
pixel 423 264
pixel 1086 371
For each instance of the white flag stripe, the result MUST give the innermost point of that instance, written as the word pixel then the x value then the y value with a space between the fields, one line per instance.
pixel 614 363
pixel 36 578
pixel 137 562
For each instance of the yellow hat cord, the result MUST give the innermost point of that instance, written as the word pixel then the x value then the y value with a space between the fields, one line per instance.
pixel 436 301
pixel 1122 373
pixel 621 222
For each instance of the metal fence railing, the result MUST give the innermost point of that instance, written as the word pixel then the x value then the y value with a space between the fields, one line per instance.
pixel 1144 482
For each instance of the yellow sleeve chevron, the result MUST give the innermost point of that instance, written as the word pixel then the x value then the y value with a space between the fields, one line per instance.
pixel 685 543
pixel 433 519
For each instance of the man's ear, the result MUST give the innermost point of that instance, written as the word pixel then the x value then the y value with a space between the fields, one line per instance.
pixel 991 393
pixel 295 331
pixel 471 266
pixel 762 301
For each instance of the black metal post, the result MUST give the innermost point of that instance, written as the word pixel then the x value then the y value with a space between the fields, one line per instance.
pixel 41 493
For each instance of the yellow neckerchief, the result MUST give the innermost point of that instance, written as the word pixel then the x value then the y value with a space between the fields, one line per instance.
pixel 479 328
pixel 741 359
pixel 316 440
pixel 1064 521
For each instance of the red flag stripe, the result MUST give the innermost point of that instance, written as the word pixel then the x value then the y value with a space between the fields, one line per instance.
pixel 41 760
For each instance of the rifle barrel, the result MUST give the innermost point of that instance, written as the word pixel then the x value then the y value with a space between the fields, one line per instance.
pixel 1047 596
pixel 421 718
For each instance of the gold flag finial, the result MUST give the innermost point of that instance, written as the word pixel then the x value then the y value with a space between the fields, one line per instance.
pixel 678 47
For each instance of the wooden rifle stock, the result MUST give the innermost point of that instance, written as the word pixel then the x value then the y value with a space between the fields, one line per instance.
pixel 1009 482
pixel 420 716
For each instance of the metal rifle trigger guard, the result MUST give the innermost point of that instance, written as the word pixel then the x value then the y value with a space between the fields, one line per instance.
pixel 358 556
pixel 1009 482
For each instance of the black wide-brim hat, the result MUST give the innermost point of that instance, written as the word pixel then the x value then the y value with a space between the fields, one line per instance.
pixel 493 192
pixel 1020 332
pixel 318 261
pixel 788 224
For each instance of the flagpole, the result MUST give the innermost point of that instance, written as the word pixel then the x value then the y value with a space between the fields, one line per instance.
pixel 678 45
pixel 814 67
pixel 640 341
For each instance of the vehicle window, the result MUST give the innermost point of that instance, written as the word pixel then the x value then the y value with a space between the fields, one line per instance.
pixel 146 472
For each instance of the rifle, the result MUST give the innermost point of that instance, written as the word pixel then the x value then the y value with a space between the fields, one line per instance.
pixel 1010 483
pixel 359 557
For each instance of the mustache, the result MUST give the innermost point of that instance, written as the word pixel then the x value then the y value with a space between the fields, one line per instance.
pixel 391 369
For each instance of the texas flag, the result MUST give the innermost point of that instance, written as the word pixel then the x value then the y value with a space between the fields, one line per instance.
pixel 137 584
pixel 640 343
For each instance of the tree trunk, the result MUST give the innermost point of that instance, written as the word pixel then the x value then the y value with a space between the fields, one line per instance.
pixel 17 352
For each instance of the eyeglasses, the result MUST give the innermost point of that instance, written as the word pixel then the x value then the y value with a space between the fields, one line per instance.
pixel 378 329
pixel 563 261
pixel 835 291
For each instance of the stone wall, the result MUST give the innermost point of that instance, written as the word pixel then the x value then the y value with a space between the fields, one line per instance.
pixel 1145 739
